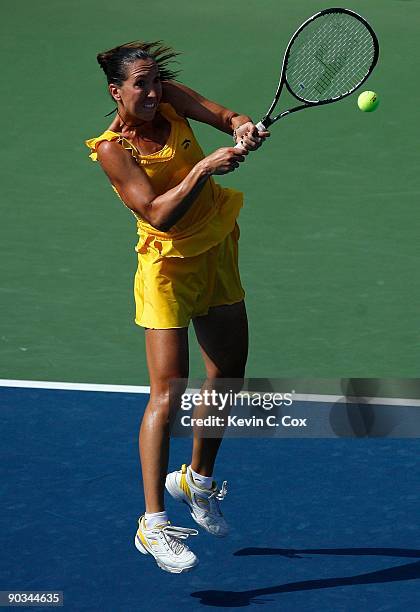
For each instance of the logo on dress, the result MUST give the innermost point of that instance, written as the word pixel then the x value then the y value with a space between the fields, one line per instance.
pixel 186 143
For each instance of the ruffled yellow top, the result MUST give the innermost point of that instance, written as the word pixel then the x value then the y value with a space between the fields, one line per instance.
pixel 215 210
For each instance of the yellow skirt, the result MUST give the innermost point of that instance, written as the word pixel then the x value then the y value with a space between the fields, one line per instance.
pixel 170 291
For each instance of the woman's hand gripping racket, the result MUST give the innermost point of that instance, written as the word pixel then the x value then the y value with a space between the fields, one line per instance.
pixel 328 58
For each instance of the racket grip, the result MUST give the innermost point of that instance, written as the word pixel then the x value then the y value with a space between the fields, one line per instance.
pixel 260 127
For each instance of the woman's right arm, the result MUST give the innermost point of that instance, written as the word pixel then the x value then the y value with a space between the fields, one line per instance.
pixel 136 191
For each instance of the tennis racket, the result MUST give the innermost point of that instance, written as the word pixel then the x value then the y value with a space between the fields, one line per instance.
pixel 328 58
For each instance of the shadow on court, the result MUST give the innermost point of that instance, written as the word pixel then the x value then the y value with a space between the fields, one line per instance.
pixel 409 571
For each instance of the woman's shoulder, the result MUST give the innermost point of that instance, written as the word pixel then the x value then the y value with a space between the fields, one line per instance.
pixel 92 143
pixel 110 136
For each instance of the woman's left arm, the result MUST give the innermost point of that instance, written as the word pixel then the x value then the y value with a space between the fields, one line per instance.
pixel 190 104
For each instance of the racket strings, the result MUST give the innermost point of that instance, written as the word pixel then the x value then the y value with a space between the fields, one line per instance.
pixel 328 39
pixel 329 57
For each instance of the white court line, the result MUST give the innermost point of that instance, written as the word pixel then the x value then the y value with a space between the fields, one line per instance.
pixel 379 401
pixel 299 397
pixel 67 386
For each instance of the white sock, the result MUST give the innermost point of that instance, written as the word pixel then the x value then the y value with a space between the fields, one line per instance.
pixel 206 482
pixel 155 518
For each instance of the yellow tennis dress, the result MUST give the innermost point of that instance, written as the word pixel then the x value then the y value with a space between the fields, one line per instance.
pixel 194 266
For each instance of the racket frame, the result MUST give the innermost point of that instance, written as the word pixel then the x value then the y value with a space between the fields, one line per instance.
pixel 267 120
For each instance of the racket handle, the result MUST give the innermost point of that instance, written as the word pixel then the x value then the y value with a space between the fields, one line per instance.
pixel 260 127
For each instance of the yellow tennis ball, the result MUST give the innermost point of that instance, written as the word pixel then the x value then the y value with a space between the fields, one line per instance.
pixel 368 101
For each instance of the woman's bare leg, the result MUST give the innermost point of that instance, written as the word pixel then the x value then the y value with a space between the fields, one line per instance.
pixel 167 358
pixel 223 338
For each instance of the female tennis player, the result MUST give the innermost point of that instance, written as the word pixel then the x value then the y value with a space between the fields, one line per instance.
pixel 187 268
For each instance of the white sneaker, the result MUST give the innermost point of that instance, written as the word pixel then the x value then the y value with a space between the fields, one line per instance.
pixel 163 542
pixel 203 503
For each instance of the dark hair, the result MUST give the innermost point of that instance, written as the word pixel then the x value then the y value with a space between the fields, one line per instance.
pixel 115 61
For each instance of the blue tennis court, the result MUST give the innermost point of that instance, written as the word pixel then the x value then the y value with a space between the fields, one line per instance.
pixel 317 524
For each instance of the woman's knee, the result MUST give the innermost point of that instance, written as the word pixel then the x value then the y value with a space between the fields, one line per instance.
pixel 230 368
pixel 164 402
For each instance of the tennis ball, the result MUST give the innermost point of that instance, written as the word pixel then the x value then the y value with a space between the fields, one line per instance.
pixel 368 101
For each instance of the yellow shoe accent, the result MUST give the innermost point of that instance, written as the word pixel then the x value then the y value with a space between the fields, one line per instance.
pixel 183 482
pixel 142 538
